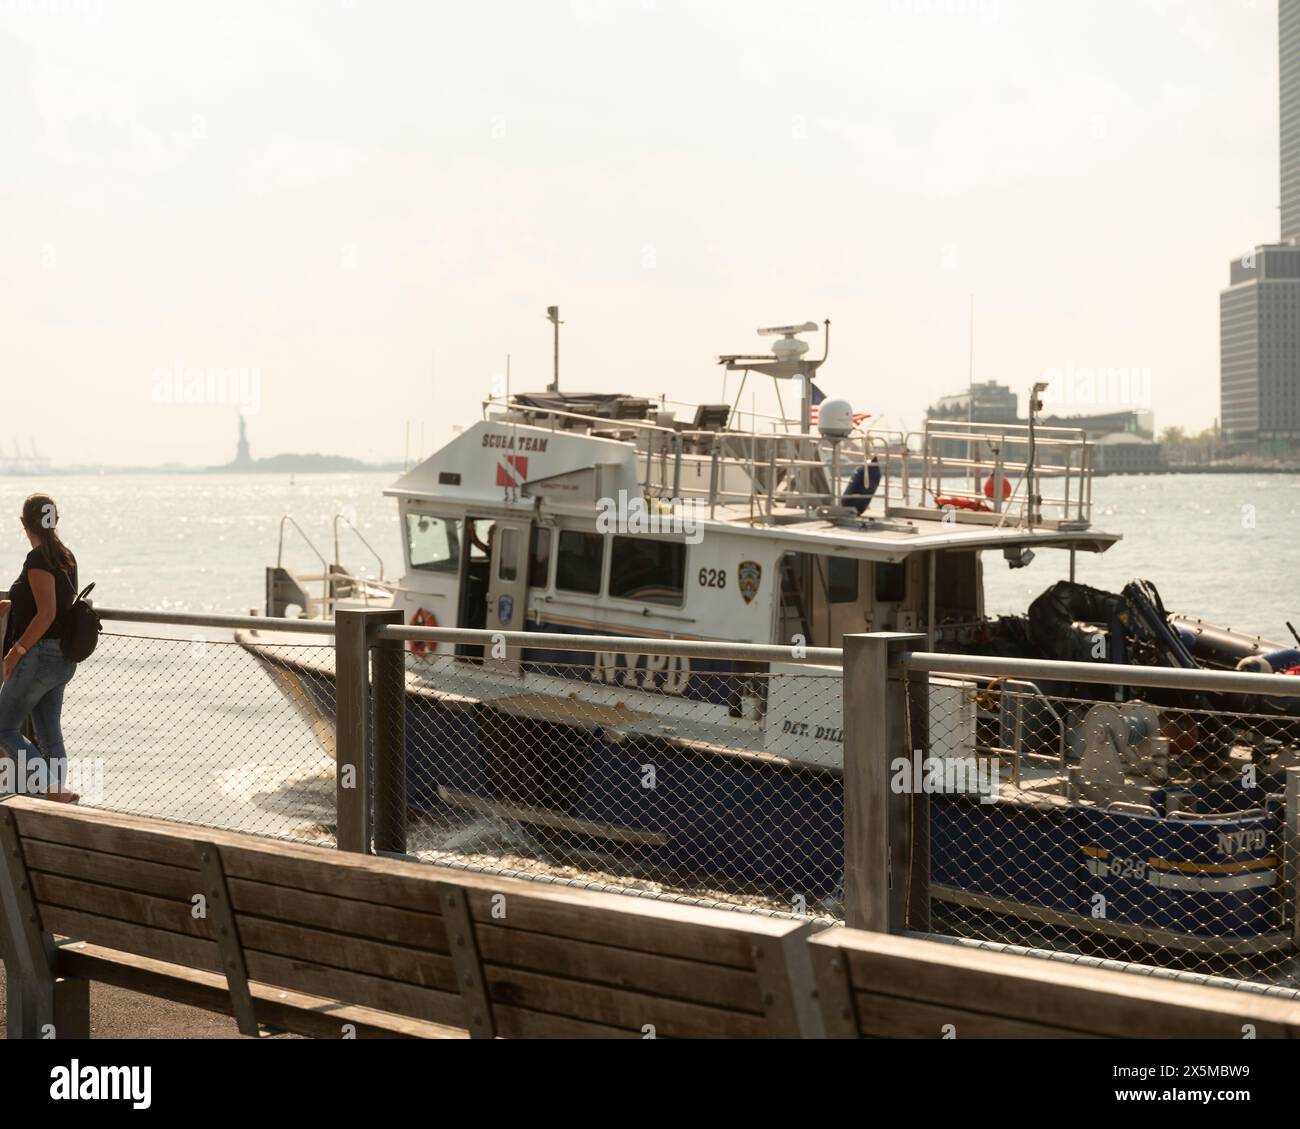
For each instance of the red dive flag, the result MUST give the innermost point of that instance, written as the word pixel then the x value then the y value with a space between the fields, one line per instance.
pixel 512 470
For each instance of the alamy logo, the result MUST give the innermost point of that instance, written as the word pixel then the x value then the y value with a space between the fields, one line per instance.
pixel 75 1082
pixel 183 384
pixel 928 776
pixel 673 517
pixel 1079 385
pixel 83 775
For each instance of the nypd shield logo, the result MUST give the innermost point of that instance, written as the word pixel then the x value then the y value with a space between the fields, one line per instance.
pixel 748 575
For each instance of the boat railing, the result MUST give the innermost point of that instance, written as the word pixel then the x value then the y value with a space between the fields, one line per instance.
pixel 360 537
pixel 1005 467
pixel 337 584
pixel 1023 475
pixel 766 470
pixel 1012 696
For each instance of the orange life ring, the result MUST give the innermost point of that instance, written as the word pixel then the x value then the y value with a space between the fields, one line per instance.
pixel 423 617
pixel 961 504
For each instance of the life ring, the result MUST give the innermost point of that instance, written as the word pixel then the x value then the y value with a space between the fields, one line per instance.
pixel 423 617
pixel 961 504
pixel 1006 488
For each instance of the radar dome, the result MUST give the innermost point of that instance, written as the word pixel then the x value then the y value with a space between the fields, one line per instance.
pixel 835 419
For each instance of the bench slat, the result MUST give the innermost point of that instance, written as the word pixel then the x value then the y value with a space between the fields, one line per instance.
pixel 349 954
pixel 888 1017
pixel 568 997
pixel 366 991
pixel 302 1014
pixel 259 906
pixel 175 948
pixel 731 988
pixel 341 915
pixel 165 881
pixel 614 1007
pixel 520 1023
pixel 724 940
pixel 1046 993
pixel 122 905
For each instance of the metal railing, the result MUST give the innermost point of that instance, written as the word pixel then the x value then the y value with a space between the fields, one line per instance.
pixel 686 463
pixel 1007 480
pixel 1005 483
pixel 1125 813
pixel 1124 827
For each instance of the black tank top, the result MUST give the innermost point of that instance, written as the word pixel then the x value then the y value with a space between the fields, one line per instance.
pixel 24 599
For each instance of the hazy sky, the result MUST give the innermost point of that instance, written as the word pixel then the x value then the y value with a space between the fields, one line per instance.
pixel 364 205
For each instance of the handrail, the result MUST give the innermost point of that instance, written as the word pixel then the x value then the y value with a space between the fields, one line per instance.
pixel 357 533
pixel 234 622
pixel 757 652
pixel 1110 674
pixel 1051 456
pixel 279 551
pixel 932 662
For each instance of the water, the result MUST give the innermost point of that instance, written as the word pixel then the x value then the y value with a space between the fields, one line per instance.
pixel 1223 547
pixel 200 542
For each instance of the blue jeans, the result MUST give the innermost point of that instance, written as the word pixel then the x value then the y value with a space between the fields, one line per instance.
pixel 36 689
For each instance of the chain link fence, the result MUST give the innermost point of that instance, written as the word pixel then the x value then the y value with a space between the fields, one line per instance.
pixel 1152 830
pixel 631 772
pixel 1159 830
pixel 190 727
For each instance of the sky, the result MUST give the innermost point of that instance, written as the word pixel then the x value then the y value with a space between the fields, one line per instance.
pixel 341 216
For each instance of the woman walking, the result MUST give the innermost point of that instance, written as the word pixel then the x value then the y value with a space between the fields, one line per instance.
pixel 35 670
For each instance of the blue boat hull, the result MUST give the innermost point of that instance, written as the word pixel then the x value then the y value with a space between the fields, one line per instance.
pixel 752 824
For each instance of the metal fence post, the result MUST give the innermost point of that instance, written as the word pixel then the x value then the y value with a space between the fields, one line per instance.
pixel 1292 848
pixel 388 670
pixel 352 779
pixel 876 830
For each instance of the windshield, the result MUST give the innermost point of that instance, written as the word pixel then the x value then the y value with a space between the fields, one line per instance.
pixel 433 542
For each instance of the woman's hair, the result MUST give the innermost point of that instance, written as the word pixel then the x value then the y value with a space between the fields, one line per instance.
pixel 40 517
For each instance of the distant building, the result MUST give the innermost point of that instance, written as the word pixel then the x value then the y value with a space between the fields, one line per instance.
pixel 1129 421
pixel 1259 312
pixel 1288 21
pixel 994 403
pixel 1121 453
pixel 1259 348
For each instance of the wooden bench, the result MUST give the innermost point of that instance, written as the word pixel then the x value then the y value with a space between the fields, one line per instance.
pixel 871 985
pixel 328 944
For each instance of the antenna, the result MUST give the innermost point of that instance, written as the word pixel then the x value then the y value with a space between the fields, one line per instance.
pixel 970 376
pixel 553 316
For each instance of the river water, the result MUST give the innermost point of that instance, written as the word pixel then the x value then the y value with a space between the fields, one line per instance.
pixel 1218 546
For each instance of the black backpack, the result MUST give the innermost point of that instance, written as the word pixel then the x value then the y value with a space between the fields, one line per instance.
pixel 81 628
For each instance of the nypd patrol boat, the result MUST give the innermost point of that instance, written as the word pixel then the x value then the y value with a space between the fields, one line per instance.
pixel 609 514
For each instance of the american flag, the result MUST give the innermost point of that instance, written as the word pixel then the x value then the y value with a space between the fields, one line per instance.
pixel 818 396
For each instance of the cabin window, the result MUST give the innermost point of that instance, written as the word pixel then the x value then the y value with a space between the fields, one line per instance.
pixel 433 543
pixel 508 556
pixel 578 562
pixel 891 582
pixel 842 580
pixel 539 558
pixel 653 572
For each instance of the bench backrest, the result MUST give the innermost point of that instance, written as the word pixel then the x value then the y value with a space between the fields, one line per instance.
pixel 495 956
pixel 881 986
